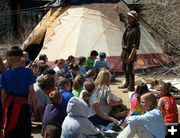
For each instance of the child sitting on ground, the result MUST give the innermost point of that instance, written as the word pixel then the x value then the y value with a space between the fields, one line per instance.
pixel 64 89
pixel 82 67
pixel 52 130
pixel 41 88
pixel 135 108
pixel 106 98
pixel 54 112
pixel 96 116
pixel 77 85
pixel 70 60
pixel 101 62
pixel 91 75
pixel 90 60
pixel 72 72
pixel 167 103
pixel 59 68
pixel 148 125
pixel 76 123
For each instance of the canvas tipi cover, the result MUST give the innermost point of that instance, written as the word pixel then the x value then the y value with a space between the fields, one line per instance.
pixel 76 30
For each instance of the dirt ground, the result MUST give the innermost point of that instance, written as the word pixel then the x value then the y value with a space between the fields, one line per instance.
pixel 114 86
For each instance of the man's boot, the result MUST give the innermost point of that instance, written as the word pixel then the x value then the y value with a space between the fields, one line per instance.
pixel 126 84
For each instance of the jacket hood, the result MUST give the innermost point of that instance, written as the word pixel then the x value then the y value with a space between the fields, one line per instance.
pixel 77 107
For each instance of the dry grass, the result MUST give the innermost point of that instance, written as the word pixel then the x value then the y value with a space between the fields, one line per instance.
pixel 162 18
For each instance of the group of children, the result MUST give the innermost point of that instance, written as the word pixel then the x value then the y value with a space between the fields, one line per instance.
pixel 76 97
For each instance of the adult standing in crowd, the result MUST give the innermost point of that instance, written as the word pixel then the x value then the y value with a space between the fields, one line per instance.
pixel 130 45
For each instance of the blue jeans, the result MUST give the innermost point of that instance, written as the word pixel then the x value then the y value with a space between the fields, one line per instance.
pixel 96 120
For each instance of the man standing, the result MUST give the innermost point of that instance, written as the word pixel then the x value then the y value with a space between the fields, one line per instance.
pixel 130 45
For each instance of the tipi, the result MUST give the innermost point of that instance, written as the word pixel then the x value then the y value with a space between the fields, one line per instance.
pixel 78 29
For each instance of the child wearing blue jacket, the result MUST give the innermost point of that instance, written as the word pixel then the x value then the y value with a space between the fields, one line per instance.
pixel 148 125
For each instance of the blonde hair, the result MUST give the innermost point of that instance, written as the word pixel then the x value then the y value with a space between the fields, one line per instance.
pixel 150 97
pixel 103 78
